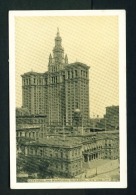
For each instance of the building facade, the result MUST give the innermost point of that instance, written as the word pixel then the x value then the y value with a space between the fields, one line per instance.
pixel 112 117
pixel 110 120
pixel 65 160
pixel 69 156
pixel 59 91
pixel 32 120
pixel 102 148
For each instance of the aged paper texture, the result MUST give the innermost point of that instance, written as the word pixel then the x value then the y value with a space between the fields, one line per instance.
pixel 67 99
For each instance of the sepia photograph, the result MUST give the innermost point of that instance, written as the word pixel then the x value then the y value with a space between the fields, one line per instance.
pixel 67 99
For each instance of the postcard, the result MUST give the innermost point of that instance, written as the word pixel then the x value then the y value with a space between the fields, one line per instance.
pixel 67 99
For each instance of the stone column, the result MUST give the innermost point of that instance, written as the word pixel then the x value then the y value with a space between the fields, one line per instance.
pixel 26 151
pixel 87 158
pixel 90 157
pixel 33 151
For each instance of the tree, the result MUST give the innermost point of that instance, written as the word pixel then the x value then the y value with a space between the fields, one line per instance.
pixel 43 166
pixel 32 165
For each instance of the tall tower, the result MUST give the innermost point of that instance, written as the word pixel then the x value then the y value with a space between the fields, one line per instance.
pixel 59 91
pixel 33 92
pixel 77 91
pixel 55 83
pixel 58 61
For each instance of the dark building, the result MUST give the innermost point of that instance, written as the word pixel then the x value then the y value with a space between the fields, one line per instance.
pixel 109 122
pixel 59 91
pixel 112 117
pixel 39 120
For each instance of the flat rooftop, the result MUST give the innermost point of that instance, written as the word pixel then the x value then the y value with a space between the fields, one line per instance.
pixel 69 141
pixel 26 127
pixel 63 142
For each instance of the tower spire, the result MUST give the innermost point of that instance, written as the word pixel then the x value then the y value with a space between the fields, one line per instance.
pixel 57 31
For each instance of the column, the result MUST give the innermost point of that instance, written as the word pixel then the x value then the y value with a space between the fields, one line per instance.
pixel 97 156
pixel 26 151
pixel 32 99
pixel 87 158
pixel 33 151
pixel 90 157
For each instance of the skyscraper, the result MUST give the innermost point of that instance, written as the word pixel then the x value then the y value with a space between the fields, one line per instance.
pixel 59 91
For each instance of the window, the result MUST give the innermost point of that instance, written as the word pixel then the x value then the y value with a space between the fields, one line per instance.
pixel 46 81
pixel 61 154
pixel 68 74
pixel 73 153
pixel 75 72
pixel 63 77
pixel 72 74
pixel 56 155
pixel 41 152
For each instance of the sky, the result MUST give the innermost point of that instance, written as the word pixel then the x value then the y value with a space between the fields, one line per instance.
pixel 92 40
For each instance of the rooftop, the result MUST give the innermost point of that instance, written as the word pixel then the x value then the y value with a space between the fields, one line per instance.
pixel 31 116
pixel 77 64
pixel 26 126
pixel 63 142
pixel 71 142
pixel 32 73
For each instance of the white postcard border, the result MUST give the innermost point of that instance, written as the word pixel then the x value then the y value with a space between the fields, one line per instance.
pixel 122 100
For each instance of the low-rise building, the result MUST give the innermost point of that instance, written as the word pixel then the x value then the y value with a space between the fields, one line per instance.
pixel 63 154
pixel 33 120
pixel 68 154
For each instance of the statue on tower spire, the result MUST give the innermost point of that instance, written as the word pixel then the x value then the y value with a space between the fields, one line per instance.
pixel 57 31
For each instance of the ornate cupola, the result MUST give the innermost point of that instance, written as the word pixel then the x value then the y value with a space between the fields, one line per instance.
pixel 57 62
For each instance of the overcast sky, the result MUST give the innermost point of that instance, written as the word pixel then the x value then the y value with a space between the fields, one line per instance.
pixel 92 40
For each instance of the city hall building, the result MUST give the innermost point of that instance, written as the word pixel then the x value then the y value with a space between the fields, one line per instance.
pixel 58 92
pixel 72 156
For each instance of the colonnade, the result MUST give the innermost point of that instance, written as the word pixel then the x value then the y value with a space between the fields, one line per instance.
pixel 30 134
pixel 93 156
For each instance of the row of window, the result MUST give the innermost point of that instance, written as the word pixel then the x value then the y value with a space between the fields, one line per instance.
pixel 35 81
pixel 27 134
pixel 71 74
